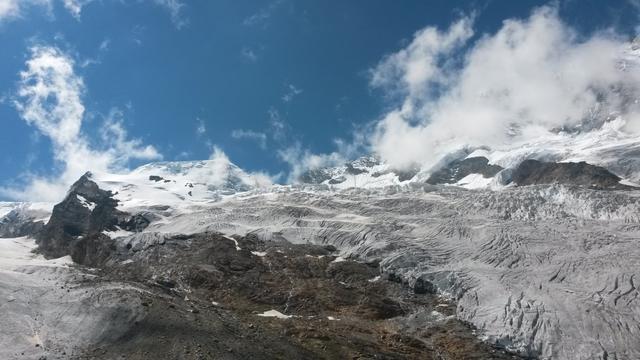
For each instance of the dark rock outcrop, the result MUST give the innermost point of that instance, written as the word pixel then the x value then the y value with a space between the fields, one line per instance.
pixel 338 180
pixel 19 223
pixel 315 176
pixel 77 223
pixel 458 169
pixel 534 172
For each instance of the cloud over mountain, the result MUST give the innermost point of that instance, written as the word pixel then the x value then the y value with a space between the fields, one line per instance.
pixel 529 77
pixel 49 98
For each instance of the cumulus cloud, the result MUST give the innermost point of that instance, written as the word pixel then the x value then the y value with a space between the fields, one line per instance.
pixel 259 137
pixel 49 98
pixel 531 76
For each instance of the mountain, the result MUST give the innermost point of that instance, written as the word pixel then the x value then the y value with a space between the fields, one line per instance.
pixel 520 250
pixel 507 252
pixel 183 246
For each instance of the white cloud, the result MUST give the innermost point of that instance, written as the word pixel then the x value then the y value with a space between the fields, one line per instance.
pixel 201 129
pixel 75 6
pixel 301 160
pixel 260 138
pixel 121 148
pixel 49 98
pixel 248 54
pixel 423 64
pixel 277 124
pixel 9 8
pixel 175 9
pixel 104 45
pixel 221 169
pixel 292 92
pixel 531 76
pixel 12 9
pixel 262 17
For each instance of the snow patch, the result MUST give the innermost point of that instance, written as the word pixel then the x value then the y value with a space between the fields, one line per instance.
pixel 234 241
pixel 118 233
pixel 474 181
pixel 275 314
pixel 86 203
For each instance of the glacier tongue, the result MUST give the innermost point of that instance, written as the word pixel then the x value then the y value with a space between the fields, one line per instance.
pixel 546 271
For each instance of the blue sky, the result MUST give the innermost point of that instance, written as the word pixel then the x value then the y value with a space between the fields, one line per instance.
pixel 257 79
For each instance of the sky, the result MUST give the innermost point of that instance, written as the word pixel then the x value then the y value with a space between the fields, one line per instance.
pixel 279 86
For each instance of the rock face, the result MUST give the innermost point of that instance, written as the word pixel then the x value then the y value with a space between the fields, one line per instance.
pixel 534 172
pixel 459 169
pixel 20 222
pixel 77 223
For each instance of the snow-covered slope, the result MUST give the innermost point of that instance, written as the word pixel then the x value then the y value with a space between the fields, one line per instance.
pixel 179 184
pixel 608 146
pixel 365 172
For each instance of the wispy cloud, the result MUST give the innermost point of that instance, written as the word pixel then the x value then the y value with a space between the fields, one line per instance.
pixel 277 125
pixel 300 160
pixel 104 45
pixel 258 137
pixel 175 9
pixel 292 92
pixel 13 9
pixel 201 128
pixel 75 6
pixel 249 54
pixel 263 15
pixel 97 59
pixel 49 98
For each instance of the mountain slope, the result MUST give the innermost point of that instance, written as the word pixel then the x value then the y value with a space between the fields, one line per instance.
pixel 532 267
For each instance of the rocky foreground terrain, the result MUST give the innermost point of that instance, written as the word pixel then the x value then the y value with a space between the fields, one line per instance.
pixel 210 296
pixel 159 265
